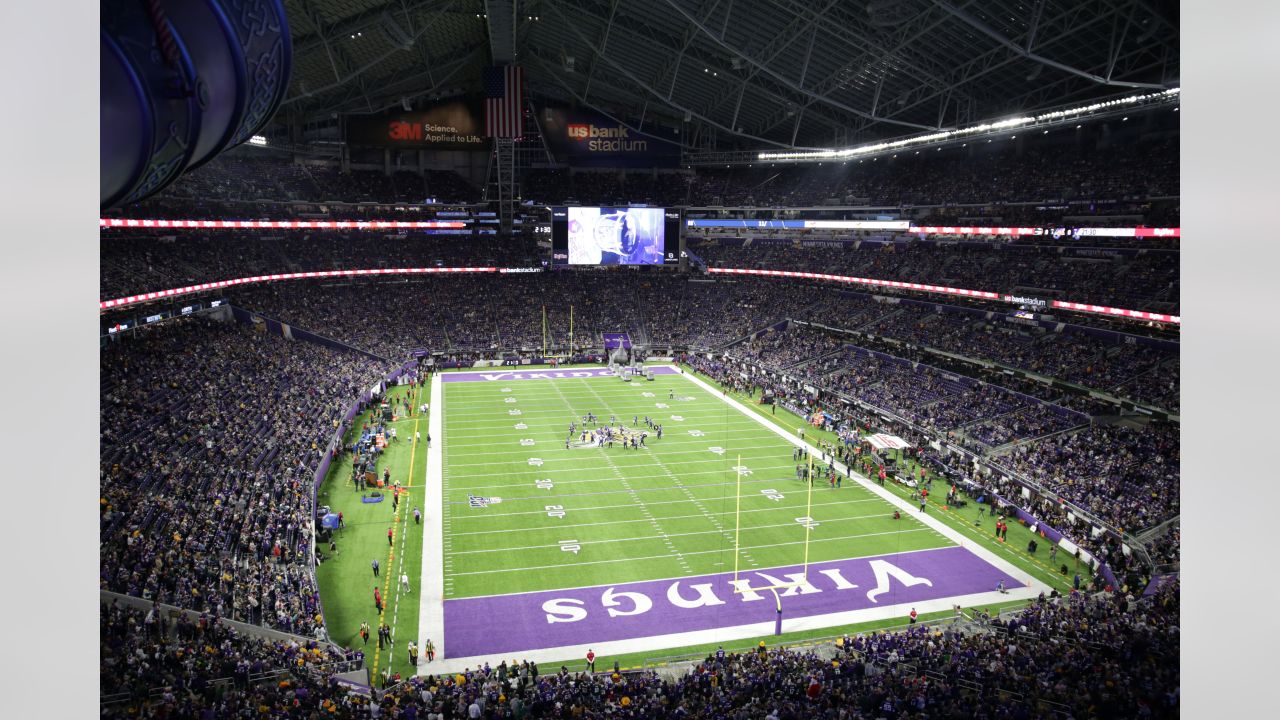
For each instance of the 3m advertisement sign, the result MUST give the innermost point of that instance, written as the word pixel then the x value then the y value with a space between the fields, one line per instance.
pixel 448 126
pixel 586 139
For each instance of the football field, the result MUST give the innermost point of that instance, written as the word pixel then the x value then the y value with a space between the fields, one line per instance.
pixel 540 545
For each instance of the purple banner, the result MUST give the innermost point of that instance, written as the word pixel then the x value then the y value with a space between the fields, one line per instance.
pixel 529 621
pixel 614 340
pixel 1158 582
pixel 498 375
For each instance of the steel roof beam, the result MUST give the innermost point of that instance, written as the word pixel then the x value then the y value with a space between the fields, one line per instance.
pixel 437 77
pixel 500 18
pixel 604 46
pixel 985 29
pixel 846 26
pixel 653 37
pixel 779 76
pixel 647 88
pixel 358 72
pixel 1063 24
pixel 359 22
pixel 836 80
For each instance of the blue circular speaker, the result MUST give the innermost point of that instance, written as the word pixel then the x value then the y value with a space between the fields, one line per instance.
pixel 182 81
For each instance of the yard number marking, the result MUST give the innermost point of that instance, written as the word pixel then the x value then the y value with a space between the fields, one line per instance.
pixel 555 511
pixel 544 484
pixel 772 494
pixel 570 546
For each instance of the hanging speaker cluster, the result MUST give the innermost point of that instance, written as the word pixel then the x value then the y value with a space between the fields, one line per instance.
pixel 182 81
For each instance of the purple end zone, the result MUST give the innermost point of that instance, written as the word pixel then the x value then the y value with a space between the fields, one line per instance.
pixel 571 374
pixel 503 624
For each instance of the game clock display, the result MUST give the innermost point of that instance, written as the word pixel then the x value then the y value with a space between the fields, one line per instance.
pixel 615 236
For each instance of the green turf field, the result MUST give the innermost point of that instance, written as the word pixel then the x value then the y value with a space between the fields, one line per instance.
pixel 662 512
pixel 667 511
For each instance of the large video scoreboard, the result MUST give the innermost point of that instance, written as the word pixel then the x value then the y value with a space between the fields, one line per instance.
pixel 615 236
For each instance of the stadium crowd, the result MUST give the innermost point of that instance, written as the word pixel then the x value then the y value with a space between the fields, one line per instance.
pixel 1147 281
pixel 1127 476
pixel 210 437
pixel 1103 655
pixel 956 176
pixel 155 666
pixel 485 316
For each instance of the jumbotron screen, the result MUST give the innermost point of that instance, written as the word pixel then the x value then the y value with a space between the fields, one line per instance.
pixel 615 236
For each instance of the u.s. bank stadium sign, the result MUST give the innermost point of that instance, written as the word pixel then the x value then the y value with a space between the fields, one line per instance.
pixel 590 139
pixel 1023 300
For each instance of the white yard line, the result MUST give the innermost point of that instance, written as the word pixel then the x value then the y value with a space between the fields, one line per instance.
pixel 702 552
pixel 639 538
pixel 667 440
pixel 772 508
pixel 543 470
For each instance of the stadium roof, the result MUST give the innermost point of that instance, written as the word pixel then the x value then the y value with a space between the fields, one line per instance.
pixel 746 73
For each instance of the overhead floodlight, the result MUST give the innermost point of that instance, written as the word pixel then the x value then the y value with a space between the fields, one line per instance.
pixel 258 140
pixel 1008 123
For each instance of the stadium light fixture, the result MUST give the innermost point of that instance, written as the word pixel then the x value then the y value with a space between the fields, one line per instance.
pixel 258 140
pixel 943 135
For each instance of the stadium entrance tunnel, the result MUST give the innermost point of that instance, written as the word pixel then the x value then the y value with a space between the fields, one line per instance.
pixel 181 81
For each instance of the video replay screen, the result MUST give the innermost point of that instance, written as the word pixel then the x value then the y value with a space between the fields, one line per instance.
pixel 615 236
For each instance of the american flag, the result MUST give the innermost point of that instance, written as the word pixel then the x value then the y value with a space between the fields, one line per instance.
pixel 503 98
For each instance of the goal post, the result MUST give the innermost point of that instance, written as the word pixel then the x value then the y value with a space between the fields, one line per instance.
pixel 740 588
